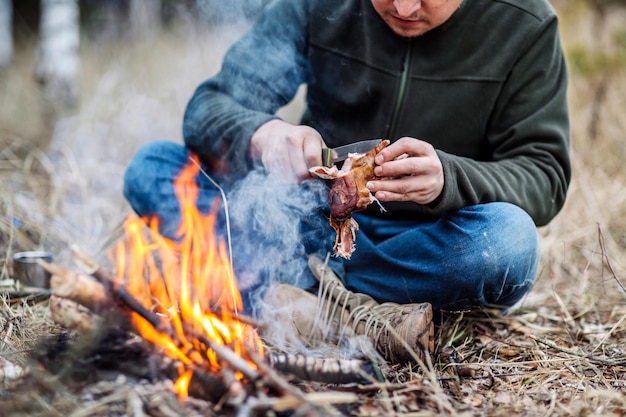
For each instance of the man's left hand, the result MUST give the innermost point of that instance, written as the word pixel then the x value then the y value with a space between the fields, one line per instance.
pixel 410 170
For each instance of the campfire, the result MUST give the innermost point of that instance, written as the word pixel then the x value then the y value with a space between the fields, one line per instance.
pixel 181 296
pixel 189 287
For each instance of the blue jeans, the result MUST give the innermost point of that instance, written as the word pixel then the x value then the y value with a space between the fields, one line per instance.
pixel 483 255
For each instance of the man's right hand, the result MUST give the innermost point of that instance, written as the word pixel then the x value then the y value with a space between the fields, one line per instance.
pixel 287 150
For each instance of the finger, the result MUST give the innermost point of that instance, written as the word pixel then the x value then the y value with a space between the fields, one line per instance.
pixel 402 185
pixel 395 150
pixel 419 198
pixel 419 189
pixel 312 149
pixel 388 196
pixel 400 167
pixel 297 163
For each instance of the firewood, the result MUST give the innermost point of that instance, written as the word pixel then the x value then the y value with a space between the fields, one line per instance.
pixel 26 295
pixel 70 314
pixel 102 291
pixel 73 312
pixel 316 403
pixel 99 290
pixel 328 370
pixel 291 397
pixel 80 288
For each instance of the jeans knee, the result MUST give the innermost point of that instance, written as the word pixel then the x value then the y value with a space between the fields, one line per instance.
pixel 150 161
pixel 502 261
pixel 516 254
pixel 149 156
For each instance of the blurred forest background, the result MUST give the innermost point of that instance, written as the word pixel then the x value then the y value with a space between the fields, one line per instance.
pixel 84 83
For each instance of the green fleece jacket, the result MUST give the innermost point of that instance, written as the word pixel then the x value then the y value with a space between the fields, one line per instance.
pixel 487 89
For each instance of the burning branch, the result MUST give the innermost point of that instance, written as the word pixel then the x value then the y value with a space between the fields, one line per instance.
pixel 110 285
pixel 77 287
pixel 330 370
pixel 72 315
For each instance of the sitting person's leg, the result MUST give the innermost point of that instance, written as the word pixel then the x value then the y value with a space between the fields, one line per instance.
pixel 149 184
pixel 481 255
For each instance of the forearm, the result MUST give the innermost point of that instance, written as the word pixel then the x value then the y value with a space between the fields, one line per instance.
pixel 219 129
pixel 534 185
pixel 259 74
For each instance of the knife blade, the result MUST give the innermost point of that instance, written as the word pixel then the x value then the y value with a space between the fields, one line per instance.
pixel 332 155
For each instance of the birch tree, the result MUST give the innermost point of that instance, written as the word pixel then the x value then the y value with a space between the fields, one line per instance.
pixel 58 61
pixel 6 32
pixel 144 15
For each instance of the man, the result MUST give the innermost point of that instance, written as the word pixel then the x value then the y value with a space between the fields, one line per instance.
pixel 472 95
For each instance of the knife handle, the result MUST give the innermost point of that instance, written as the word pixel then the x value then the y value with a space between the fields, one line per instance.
pixel 327 157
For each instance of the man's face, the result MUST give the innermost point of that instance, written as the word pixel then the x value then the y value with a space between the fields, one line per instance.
pixel 411 18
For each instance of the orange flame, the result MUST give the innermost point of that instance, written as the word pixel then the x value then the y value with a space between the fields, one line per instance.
pixel 189 284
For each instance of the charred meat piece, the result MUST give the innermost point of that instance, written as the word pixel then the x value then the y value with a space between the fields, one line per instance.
pixel 348 194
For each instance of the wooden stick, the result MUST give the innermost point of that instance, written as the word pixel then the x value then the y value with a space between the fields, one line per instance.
pixel 109 281
pixel 277 382
pixel 292 397
pixel 72 315
pixel 80 288
pixel 329 370
pixel 236 362
pixel 579 353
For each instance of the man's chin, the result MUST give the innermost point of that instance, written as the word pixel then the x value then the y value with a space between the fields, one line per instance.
pixel 409 33
pixel 408 29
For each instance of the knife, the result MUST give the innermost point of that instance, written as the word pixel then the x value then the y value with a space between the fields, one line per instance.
pixel 332 155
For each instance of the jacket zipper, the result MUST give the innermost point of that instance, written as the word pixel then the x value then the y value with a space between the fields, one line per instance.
pixel 401 90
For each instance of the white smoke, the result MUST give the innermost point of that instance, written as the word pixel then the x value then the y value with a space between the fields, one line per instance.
pixel 220 11
pixel 271 220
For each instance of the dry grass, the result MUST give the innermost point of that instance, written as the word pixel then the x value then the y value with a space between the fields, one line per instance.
pixel 560 353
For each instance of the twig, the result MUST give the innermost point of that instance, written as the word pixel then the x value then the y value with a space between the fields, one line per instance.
pixel 607 260
pixel 575 352
pixel 236 362
pixel 292 397
pixel 567 317
pixel 606 336
pixel 579 353
pixel 314 399
pixel 101 406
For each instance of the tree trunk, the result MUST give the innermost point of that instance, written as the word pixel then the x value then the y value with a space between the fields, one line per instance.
pixel 6 32
pixel 144 15
pixel 601 80
pixel 58 61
